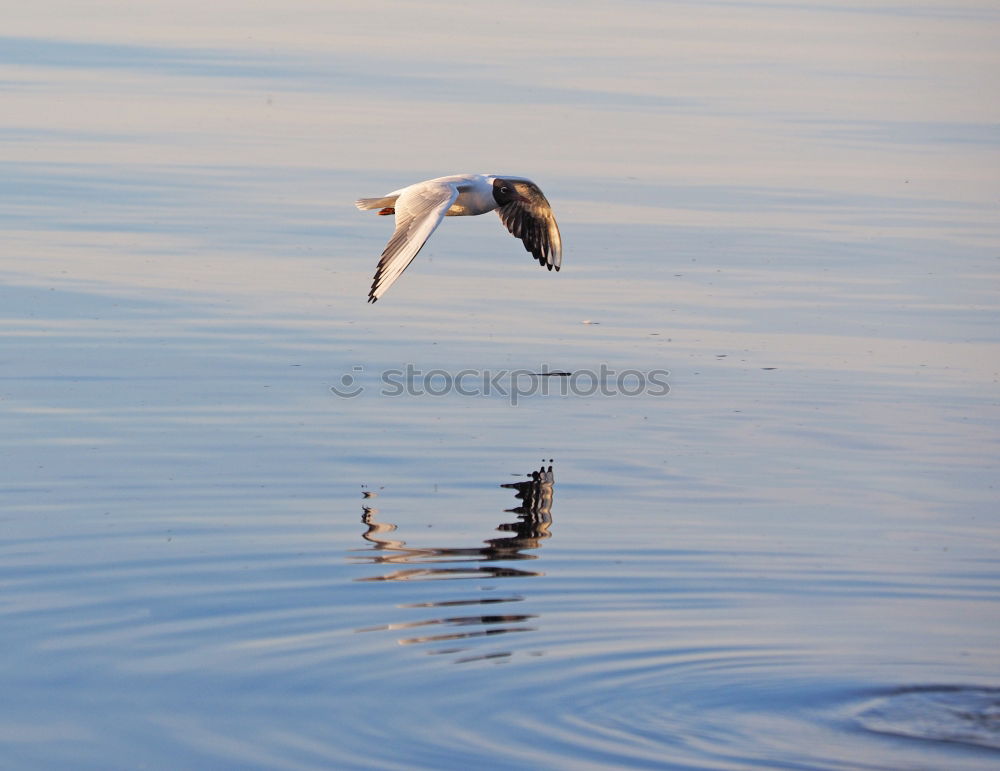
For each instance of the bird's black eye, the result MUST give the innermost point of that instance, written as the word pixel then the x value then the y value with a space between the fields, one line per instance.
pixel 504 190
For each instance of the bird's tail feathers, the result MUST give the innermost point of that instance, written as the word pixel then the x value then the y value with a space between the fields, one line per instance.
pixel 376 203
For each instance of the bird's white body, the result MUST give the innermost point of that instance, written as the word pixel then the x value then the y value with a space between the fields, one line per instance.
pixel 475 193
pixel 419 209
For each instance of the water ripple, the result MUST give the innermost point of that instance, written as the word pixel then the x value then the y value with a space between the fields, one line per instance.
pixel 961 714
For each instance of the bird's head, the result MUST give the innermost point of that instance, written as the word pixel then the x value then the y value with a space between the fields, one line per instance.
pixel 505 191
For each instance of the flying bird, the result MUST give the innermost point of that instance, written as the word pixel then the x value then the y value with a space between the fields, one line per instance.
pixel 419 209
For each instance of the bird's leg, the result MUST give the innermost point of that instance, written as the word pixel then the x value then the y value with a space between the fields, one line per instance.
pixel 387 210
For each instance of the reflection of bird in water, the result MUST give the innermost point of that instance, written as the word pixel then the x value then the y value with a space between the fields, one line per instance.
pixel 536 494
pixel 534 517
pixel 531 527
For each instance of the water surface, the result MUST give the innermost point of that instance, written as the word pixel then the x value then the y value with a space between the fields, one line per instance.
pixel 788 559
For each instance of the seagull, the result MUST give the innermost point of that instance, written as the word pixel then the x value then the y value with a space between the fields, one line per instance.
pixel 419 209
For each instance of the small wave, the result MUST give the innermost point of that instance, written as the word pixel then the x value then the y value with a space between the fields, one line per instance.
pixel 965 715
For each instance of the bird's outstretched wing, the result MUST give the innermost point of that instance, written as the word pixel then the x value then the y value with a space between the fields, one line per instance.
pixel 419 210
pixel 532 221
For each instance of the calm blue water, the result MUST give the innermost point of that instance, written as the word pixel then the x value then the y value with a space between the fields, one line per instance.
pixel 787 557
